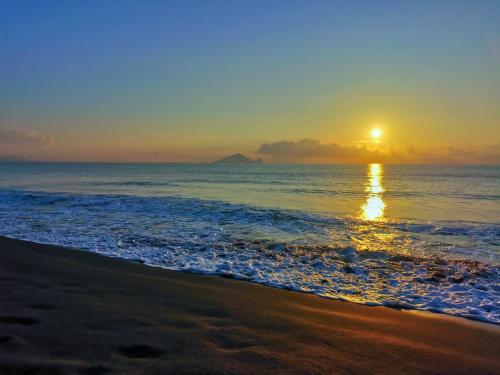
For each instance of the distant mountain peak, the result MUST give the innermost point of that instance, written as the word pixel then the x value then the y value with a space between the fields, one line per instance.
pixel 238 159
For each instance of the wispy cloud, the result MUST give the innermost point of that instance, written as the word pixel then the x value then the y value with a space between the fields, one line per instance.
pixel 24 143
pixel 23 137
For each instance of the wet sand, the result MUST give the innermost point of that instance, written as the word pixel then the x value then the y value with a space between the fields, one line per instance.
pixel 69 311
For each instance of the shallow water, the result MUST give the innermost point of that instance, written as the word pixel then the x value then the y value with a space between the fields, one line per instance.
pixel 425 237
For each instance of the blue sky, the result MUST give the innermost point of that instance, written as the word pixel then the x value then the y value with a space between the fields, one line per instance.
pixel 196 79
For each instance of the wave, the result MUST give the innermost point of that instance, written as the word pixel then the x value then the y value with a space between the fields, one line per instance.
pixel 130 183
pixel 449 267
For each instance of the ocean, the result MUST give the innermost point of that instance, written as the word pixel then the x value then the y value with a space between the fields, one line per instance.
pixel 408 236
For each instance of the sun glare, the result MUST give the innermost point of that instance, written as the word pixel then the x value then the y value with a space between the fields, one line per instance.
pixel 376 133
pixel 374 207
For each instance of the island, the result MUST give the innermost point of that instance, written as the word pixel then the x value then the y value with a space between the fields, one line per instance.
pixel 238 159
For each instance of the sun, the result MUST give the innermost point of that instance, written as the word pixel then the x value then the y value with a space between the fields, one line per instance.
pixel 376 133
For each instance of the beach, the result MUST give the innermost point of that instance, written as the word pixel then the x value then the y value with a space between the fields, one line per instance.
pixel 257 187
pixel 68 311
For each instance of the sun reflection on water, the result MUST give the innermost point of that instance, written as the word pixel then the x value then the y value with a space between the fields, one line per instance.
pixel 371 232
pixel 374 207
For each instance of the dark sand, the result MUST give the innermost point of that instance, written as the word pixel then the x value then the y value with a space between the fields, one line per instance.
pixel 67 311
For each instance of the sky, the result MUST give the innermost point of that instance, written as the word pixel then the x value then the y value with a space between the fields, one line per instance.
pixel 288 81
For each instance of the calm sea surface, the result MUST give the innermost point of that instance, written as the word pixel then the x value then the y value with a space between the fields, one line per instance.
pixel 424 237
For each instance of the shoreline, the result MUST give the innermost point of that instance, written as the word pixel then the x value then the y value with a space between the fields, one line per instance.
pixel 396 305
pixel 264 245
pixel 73 311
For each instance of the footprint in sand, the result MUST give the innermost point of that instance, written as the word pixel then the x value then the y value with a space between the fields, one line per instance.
pixel 5 339
pixel 42 306
pixel 19 320
pixel 139 351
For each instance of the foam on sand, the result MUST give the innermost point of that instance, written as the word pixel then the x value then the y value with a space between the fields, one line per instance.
pixel 425 266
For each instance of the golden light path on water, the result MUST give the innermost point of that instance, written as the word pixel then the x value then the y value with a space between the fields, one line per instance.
pixel 369 233
pixel 374 207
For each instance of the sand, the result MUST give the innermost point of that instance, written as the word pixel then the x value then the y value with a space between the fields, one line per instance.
pixel 70 311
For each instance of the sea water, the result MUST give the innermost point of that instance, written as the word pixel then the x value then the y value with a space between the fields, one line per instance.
pixel 420 237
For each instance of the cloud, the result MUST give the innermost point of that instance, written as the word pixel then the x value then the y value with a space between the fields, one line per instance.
pixel 310 150
pixel 302 148
pixel 489 154
pixel 25 143
pixel 313 151
pixel 24 137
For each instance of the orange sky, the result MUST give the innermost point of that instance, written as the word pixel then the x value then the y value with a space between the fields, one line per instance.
pixel 175 83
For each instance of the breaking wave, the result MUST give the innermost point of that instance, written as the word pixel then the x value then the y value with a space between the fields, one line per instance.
pixel 448 267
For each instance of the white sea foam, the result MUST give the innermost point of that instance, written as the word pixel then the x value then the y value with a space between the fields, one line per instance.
pixel 449 267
